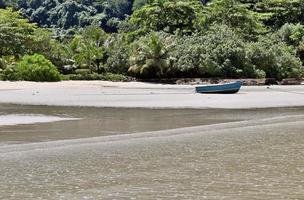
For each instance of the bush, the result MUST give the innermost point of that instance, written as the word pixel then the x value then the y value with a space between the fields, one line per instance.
pixel 36 68
pixel 219 52
pixel 276 59
pixel 9 74
pixel 95 76
pixel 291 34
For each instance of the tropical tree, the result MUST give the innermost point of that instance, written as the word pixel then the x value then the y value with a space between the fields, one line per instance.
pixel 281 12
pixel 292 34
pixel 89 48
pixel 277 59
pixel 17 36
pixel 118 54
pixel 140 3
pixel 150 57
pixel 65 17
pixel 218 52
pixel 236 15
pixel 168 16
pixel 7 61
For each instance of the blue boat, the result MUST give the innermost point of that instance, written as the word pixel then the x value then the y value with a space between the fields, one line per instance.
pixel 228 88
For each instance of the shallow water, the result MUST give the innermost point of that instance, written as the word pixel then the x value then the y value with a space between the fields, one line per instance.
pixel 257 156
pixel 94 122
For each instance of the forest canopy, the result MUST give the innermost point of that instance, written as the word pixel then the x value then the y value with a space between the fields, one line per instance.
pixel 87 39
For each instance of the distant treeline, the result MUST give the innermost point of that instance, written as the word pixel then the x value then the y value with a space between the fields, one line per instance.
pixel 154 38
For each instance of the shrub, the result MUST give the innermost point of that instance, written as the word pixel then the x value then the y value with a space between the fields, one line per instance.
pixel 276 59
pixel 95 76
pixel 219 52
pixel 7 68
pixel 36 68
pixel 7 61
pixel 292 34
pixel 9 74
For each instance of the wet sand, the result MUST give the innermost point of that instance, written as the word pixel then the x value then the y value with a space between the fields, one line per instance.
pixel 144 95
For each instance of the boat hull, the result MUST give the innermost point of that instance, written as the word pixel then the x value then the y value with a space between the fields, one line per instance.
pixel 229 88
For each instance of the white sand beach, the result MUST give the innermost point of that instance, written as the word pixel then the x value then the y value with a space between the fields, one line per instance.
pixel 145 95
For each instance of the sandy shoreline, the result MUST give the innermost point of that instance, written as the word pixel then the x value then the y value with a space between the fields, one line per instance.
pixel 145 95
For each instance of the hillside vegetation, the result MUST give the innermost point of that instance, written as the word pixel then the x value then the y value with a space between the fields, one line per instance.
pixel 92 39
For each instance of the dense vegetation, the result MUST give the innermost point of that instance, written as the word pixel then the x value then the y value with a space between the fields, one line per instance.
pixel 97 39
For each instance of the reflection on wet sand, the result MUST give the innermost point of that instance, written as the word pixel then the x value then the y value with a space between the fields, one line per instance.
pixel 259 156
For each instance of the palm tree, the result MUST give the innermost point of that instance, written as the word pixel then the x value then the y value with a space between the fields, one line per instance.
pixel 7 61
pixel 149 58
pixel 89 48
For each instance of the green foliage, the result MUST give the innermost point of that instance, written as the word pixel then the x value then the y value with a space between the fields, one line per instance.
pixel 168 16
pixel 276 59
pixel 281 12
pixel 292 34
pixel 58 54
pixel 236 15
pixel 36 68
pixel 156 38
pixel 137 4
pixel 220 52
pixel 9 74
pixel 89 49
pixel 17 36
pixel 149 58
pixel 7 61
pixel 118 55
pixel 95 76
pixel 300 51
pixel 65 17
